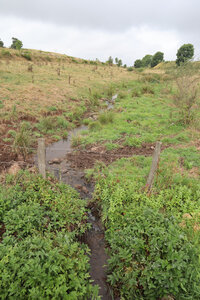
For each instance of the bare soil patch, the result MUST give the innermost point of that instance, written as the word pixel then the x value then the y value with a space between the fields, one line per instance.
pixel 85 159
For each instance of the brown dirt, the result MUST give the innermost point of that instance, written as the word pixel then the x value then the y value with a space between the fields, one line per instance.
pixel 85 159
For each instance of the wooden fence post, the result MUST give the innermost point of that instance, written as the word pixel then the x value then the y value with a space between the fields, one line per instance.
pixel 154 166
pixel 41 153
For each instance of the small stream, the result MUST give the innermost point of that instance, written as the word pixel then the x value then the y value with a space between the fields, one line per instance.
pixel 58 165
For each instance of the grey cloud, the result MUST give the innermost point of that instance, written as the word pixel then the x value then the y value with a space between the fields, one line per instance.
pixel 110 15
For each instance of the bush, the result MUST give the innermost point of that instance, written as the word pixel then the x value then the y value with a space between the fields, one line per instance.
pixel 184 53
pixel 16 44
pixel 138 63
pixel 157 58
pixel 146 61
pixel 130 69
pixel 1 44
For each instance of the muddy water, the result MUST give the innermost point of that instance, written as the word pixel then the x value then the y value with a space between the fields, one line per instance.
pixel 61 168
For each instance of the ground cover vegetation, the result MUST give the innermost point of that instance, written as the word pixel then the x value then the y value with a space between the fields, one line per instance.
pixel 153 238
pixel 40 255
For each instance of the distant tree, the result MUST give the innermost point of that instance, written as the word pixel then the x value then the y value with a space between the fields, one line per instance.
pixel 116 60
pixel 138 63
pixel 157 58
pixel 119 63
pixel 125 66
pixel 184 53
pixel 110 60
pixel 146 60
pixel 1 44
pixel 16 44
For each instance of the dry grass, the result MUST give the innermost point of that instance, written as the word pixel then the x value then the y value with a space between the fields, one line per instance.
pixel 33 92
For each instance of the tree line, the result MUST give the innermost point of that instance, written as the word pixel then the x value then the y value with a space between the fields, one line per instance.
pixel 16 44
pixel 184 53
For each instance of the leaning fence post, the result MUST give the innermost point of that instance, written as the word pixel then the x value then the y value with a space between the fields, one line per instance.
pixel 41 153
pixel 154 166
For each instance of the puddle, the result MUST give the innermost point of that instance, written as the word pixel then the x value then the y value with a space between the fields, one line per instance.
pixel 61 148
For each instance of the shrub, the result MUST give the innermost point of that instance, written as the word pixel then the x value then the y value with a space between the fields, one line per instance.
pixel 138 63
pixel 16 44
pixel 130 69
pixel 184 53
pixel 157 58
pixel 1 44
pixel 110 61
pixel 146 60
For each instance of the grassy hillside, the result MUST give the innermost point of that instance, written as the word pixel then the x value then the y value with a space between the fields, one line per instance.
pixel 152 237
pixel 47 94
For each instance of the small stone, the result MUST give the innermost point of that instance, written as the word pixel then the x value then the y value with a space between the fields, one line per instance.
pixel 152 147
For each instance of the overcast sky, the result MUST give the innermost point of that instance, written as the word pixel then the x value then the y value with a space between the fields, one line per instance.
pixel 91 29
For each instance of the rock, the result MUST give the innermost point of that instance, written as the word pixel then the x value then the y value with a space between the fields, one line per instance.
pixel 65 171
pixel 152 147
pixel 55 161
pixel 14 169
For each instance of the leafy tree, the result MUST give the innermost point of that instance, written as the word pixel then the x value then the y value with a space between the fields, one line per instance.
pixel 138 63
pixel 1 44
pixel 110 60
pixel 184 53
pixel 125 66
pixel 16 44
pixel 116 60
pixel 119 63
pixel 146 60
pixel 157 58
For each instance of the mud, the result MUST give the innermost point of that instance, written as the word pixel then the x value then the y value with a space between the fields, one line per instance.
pixel 86 159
